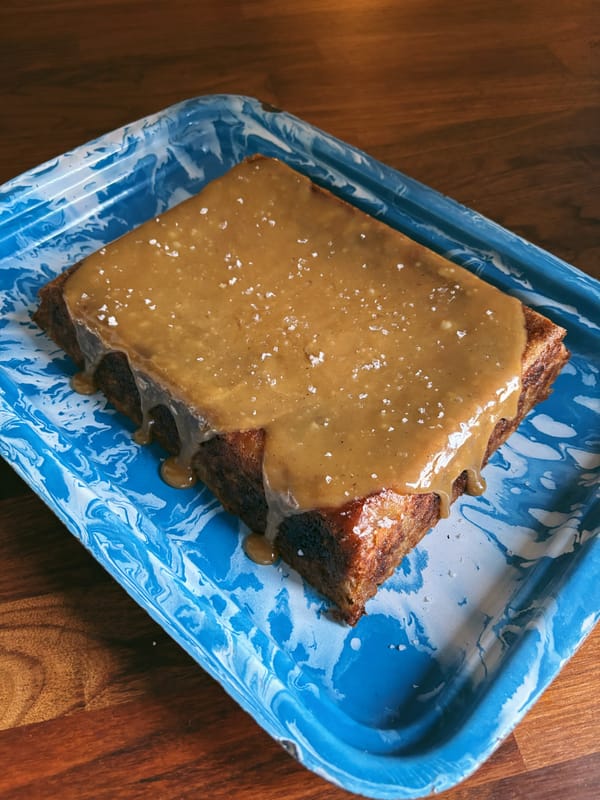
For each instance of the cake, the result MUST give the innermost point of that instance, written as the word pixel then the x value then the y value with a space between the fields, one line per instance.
pixel 334 383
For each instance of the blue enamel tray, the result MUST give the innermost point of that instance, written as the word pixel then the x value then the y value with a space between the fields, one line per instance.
pixel 473 625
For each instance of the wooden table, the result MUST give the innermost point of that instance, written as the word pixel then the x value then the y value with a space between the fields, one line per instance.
pixel 493 102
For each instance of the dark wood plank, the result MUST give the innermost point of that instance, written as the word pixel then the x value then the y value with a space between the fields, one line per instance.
pixel 581 777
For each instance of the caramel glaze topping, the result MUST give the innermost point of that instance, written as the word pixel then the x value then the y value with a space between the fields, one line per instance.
pixel 265 302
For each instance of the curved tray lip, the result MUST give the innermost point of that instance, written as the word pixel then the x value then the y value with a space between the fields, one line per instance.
pixel 389 776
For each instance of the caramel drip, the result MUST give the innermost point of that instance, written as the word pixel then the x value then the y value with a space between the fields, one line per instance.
pixel 264 302
pixel 177 472
pixel 192 428
pixel 83 383
pixel 475 482
pixel 143 435
pixel 280 505
pixel 260 549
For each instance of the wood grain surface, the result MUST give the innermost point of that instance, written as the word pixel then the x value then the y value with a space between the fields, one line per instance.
pixel 493 102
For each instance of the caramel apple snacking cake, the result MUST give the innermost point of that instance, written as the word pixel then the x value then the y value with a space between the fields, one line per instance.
pixel 336 384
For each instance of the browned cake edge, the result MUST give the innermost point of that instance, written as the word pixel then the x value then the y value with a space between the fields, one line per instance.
pixel 347 552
